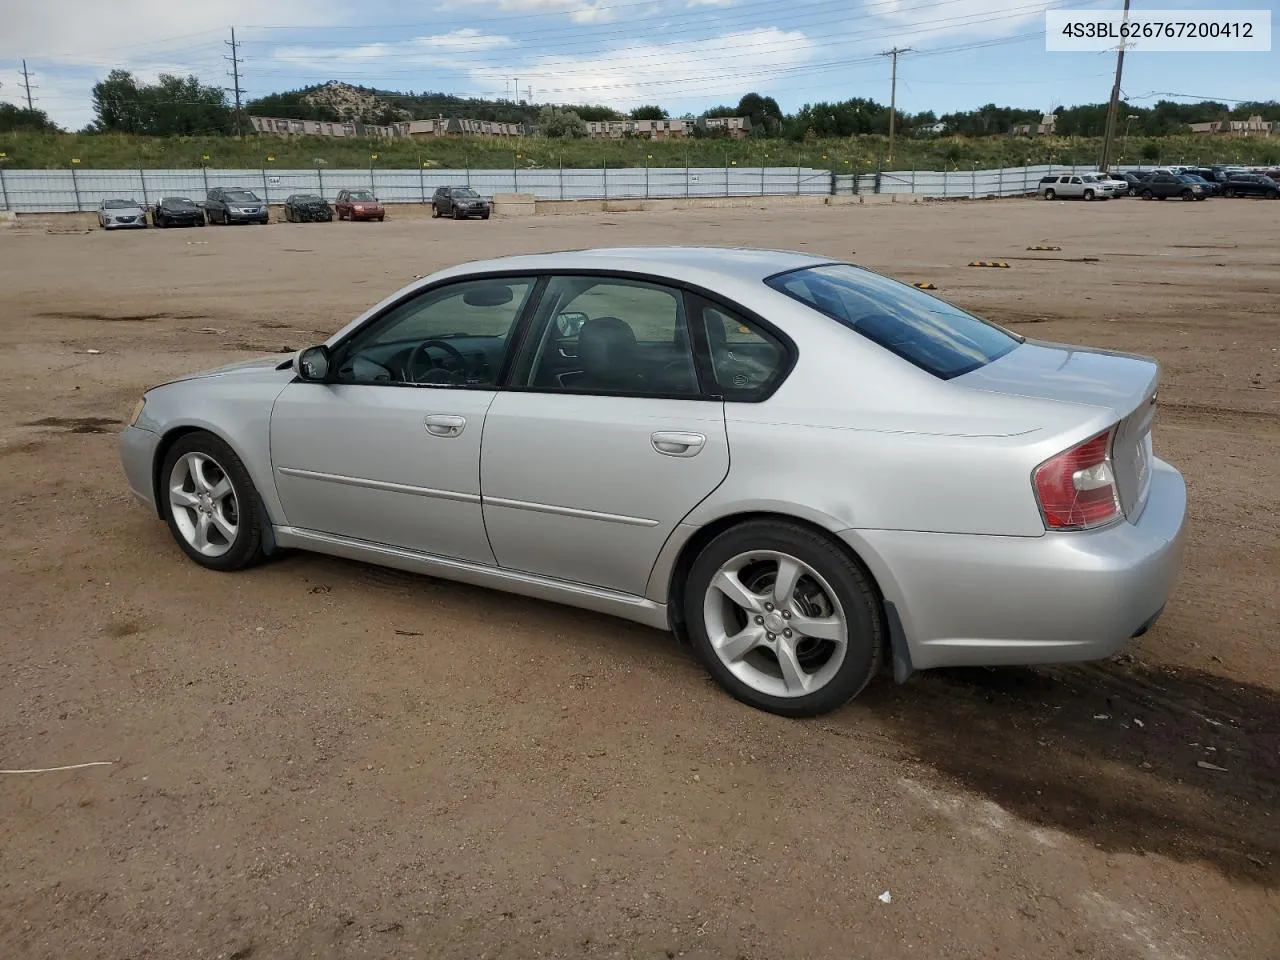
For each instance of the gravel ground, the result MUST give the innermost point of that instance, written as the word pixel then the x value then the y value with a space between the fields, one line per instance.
pixel 322 759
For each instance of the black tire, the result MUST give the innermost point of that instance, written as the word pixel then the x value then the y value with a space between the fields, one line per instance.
pixel 435 212
pixel 1228 193
pixel 457 214
pixel 485 215
pixel 1133 192
pixel 1148 195
pixel 1187 195
pixel 853 589
pixel 1089 195
pixel 1051 194
pixel 246 549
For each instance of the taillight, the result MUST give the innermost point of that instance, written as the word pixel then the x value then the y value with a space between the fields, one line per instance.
pixel 1077 488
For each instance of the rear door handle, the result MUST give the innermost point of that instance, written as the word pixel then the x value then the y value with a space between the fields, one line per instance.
pixel 676 444
pixel 444 425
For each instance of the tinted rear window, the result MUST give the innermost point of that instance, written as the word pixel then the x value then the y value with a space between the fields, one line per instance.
pixel 921 329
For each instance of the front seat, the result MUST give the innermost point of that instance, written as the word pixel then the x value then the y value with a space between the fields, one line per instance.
pixel 609 356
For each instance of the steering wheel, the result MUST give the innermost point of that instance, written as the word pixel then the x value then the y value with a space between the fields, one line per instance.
pixel 421 350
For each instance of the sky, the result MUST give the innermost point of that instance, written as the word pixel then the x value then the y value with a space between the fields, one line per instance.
pixel 686 55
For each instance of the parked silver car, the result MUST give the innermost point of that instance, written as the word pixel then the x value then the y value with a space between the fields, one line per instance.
pixel 1078 186
pixel 801 466
pixel 116 214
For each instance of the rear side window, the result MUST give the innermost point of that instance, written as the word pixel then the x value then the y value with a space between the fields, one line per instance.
pixel 926 331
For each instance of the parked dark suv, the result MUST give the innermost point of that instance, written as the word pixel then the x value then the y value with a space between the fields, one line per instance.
pixel 459 203
pixel 234 205
pixel 1250 185
pixel 1160 186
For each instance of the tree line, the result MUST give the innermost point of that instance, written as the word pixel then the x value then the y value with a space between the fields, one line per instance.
pixel 183 106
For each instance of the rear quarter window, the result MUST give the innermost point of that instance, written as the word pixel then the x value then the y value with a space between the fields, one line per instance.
pixel 923 330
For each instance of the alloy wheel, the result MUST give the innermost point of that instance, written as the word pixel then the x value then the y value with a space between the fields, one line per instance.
pixel 205 508
pixel 775 623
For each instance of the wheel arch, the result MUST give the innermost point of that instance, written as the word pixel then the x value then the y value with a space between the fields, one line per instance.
pixel 676 578
pixel 175 433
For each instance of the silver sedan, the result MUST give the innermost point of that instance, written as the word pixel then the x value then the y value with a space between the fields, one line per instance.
pixel 803 468
pixel 118 214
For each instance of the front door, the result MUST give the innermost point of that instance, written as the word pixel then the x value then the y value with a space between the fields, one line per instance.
pixel 605 441
pixel 389 450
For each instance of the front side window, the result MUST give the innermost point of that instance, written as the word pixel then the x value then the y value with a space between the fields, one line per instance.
pixel 611 335
pixel 452 336
pixel 926 331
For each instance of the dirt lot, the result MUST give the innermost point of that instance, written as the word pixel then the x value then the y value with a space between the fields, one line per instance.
pixel 321 759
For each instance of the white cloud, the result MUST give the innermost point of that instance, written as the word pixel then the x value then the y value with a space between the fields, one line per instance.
pixel 580 11
pixel 711 3
pixel 669 73
pixel 443 49
pixel 96 33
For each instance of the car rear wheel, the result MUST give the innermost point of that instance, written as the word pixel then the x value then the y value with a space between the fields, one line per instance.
pixel 1228 193
pixel 1147 195
pixel 1051 195
pixel 210 503
pixel 783 619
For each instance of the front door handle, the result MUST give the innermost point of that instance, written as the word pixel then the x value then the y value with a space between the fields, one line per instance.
pixel 444 425
pixel 676 444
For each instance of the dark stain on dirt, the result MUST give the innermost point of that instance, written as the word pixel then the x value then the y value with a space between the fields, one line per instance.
pixel 76 424
pixel 1133 758
pixel 117 318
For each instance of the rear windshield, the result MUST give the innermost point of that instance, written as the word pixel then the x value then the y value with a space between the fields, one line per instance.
pixel 924 330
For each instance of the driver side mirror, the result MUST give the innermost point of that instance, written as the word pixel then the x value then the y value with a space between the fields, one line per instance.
pixel 313 364
pixel 568 324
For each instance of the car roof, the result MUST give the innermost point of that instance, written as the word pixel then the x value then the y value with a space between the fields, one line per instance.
pixel 689 263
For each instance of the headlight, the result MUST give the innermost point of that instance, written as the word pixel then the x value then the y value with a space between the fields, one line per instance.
pixel 137 411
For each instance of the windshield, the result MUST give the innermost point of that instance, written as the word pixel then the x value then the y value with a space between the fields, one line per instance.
pixel 1090 179
pixel 364 195
pixel 923 330
pixel 306 197
pixel 241 196
pixel 119 205
pixel 176 202
pixel 465 193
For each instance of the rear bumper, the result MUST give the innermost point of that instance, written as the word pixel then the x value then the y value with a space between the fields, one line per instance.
pixel 137 456
pixel 988 601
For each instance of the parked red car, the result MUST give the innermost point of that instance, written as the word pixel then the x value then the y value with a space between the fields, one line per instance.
pixel 359 205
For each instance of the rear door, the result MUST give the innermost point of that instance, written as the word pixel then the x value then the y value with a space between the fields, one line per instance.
pixel 604 440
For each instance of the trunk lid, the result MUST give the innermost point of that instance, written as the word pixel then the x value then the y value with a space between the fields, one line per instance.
pixel 1124 383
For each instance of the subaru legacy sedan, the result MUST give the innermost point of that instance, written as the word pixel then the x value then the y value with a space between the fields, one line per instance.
pixel 801 467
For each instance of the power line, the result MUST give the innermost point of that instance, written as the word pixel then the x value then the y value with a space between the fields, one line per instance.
pixel 26 82
pixel 235 74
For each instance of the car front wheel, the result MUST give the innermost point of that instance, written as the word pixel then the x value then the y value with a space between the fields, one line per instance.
pixel 210 503
pixel 784 619
pixel 1089 194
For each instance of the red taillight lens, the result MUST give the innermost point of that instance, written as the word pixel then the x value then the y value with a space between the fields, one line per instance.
pixel 1077 488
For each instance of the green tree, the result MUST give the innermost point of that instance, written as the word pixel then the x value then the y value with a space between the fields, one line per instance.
pixel 16 118
pixel 172 106
pixel 561 124
pixel 765 114
pixel 651 112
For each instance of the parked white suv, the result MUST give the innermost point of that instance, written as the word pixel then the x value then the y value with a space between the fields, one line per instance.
pixel 1081 186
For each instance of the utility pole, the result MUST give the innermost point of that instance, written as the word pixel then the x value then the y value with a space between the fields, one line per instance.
pixel 235 75
pixel 26 82
pixel 893 93
pixel 1114 108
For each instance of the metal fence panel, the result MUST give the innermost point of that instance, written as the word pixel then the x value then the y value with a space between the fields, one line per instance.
pixel 55 191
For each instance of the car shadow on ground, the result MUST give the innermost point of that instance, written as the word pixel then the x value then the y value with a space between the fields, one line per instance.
pixel 1130 757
